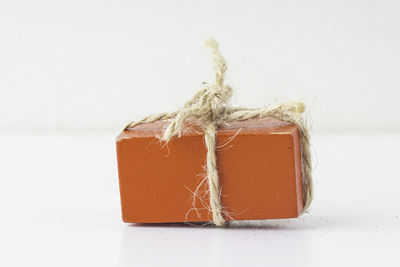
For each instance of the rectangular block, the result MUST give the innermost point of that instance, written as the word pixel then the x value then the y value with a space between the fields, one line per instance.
pixel 259 165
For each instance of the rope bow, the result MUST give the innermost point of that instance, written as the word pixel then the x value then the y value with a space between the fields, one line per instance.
pixel 209 107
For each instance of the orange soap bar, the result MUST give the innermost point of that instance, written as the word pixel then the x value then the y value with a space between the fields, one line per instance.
pixel 259 167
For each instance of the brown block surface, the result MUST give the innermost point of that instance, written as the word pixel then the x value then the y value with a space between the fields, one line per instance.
pixel 259 166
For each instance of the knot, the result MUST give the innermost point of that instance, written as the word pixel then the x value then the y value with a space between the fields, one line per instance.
pixel 211 103
pixel 208 105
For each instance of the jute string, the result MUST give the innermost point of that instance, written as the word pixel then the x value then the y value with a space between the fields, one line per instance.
pixel 209 107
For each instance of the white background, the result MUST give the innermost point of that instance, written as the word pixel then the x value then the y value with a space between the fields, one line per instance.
pixel 73 73
pixel 94 65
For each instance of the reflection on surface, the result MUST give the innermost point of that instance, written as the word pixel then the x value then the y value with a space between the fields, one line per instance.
pixel 242 243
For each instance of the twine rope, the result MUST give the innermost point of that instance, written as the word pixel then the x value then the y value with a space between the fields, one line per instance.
pixel 209 107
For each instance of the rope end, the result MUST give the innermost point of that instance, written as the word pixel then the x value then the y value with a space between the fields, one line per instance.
pixel 212 44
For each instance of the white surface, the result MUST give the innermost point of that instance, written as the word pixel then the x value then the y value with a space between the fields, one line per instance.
pixel 89 64
pixel 60 207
